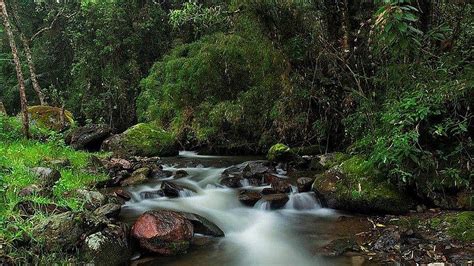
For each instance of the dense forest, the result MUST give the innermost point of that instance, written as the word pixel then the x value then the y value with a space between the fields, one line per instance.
pixel 380 92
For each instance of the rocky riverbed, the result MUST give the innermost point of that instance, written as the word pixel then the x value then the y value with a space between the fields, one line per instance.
pixel 211 210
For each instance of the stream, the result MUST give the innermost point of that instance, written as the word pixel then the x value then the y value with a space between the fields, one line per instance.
pixel 253 236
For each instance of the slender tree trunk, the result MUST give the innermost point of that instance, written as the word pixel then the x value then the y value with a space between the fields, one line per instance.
pixel 29 57
pixel 19 73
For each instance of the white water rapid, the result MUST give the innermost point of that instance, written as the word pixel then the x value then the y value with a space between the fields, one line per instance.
pixel 253 236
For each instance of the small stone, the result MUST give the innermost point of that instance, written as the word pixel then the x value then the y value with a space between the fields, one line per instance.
pixel 47 176
pixel 93 199
pixel 110 210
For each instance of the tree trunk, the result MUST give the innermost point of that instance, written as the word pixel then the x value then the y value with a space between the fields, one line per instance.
pixel 19 73
pixel 29 57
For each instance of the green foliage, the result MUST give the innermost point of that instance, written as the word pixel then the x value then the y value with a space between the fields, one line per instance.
pixel 395 29
pixel 198 19
pixel 208 88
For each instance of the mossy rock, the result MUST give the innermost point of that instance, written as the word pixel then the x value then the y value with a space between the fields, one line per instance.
pixel 307 150
pixel 144 139
pixel 352 186
pixel 280 152
pixel 50 117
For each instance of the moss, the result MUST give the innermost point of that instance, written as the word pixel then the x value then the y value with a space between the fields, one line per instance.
pixel 148 139
pixel 334 159
pixel 461 226
pixel 352 186
pixel 279 152
pixel 307 150
pixel 49 117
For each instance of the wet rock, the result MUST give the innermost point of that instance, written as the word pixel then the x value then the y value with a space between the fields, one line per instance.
pixel 110 210
pixel 232 182
pixel 304 184
pixel 107 247
pixel 46 176
pixel 171 189
pixel 28 208
pixel 268 191
pixel 180 174
pixel 163 232
pixel 139 176
pixel 281 186
pixel 276 201
pixel 89 137
pixel 122 194
pixel 249 198
pixel 152 194
pixel 202 225
pixel 61 232
pixel 252 172
pixel 92 199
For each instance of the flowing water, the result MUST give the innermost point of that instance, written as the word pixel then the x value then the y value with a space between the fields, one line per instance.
pixel 253 236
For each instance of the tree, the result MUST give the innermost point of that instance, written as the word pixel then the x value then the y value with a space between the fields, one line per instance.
pixel 19 73
pixel 29 58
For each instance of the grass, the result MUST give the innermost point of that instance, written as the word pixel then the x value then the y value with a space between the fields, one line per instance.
pixel 17 157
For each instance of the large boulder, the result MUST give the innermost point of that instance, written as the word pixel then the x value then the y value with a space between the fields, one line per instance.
pixel 352 186
pixel 50 117
pixel 107 247
pixel 163 232
pixel 145 139
pixel 62 231
pixel 89 137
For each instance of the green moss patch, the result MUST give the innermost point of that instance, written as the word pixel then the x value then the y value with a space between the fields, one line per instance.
pixel 50 117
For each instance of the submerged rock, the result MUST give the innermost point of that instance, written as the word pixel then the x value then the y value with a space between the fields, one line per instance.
pixel 145 139
pixel 163 232
pixel 89 137
pixel 180 174
pixel 152 194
